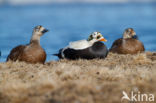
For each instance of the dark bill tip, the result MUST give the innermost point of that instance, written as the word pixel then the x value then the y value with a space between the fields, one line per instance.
pixel 45 30
pixel 135 37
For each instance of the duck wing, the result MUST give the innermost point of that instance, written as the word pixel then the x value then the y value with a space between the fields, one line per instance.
pixel 16 52
pixel 134 46
pixel 81 44
pixel 72 51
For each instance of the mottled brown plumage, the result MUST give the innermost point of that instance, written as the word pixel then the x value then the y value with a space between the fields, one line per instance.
pixel 127 44
pixel 31 53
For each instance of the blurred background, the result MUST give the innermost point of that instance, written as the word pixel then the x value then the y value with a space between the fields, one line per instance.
pixel 70 20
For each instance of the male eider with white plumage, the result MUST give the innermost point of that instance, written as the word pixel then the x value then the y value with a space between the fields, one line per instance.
pixel 85 49
pixel 129 44
pixel 31 53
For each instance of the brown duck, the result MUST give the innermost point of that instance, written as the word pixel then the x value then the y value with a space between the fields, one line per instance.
pixel 31 53
pixel 129 44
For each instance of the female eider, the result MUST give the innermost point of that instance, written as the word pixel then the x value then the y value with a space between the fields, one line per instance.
pixel 85 49
pixel 31 53
pixel 129 44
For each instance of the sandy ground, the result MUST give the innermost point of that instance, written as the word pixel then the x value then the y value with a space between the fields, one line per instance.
pixel 81 81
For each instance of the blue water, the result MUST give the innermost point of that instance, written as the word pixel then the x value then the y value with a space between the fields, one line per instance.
pixel 70 22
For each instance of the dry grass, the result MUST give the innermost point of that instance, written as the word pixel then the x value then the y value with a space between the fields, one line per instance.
pixel 81 81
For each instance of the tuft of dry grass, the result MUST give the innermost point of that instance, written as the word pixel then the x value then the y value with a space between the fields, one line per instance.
pixel 80 81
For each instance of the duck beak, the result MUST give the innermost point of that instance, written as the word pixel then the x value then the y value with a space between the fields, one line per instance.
pixel 135 37
pixel 45 30
pixel 103 39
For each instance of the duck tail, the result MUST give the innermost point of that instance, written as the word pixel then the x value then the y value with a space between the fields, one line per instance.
pixel 58 55
pixel 55 54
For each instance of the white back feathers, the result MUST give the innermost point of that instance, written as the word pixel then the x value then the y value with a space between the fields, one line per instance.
pixel 82 44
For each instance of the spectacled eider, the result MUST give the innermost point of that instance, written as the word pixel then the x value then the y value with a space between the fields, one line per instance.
pixel 85 49
pixel 31 53
pixel 129 44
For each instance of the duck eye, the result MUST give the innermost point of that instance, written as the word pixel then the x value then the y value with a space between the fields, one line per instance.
pixel 98 37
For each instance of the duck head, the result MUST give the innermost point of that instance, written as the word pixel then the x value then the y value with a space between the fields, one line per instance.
pixel 38 32
pixel 129 33
pixel 96 36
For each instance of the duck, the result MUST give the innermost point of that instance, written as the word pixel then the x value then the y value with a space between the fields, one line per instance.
pixel 32 52
pixel 128 44
pixel 85 49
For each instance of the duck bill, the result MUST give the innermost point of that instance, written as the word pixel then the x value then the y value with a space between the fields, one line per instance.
pixel 45 30
pixel 103 39
pixel 135 37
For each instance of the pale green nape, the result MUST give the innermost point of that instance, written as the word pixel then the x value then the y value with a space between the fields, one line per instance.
pixel 90 38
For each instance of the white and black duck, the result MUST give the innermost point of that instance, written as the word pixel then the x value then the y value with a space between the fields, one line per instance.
pixel 85 49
